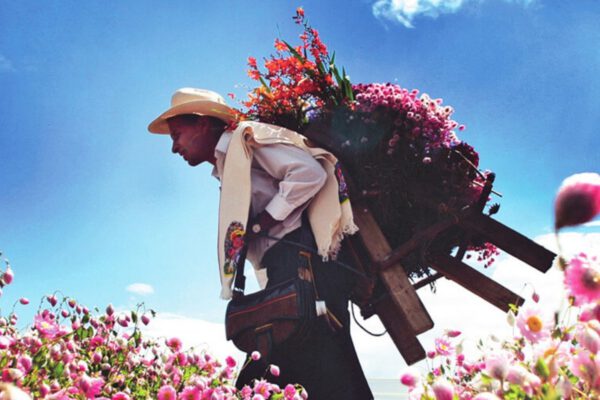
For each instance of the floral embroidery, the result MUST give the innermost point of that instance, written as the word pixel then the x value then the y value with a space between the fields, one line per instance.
pixel 234 243
pixel 343 188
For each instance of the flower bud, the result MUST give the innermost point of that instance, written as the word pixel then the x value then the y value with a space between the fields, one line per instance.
pixel 578 200
pixel 8 275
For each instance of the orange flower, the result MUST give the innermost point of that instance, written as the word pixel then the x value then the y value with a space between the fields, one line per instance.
pixel 280 46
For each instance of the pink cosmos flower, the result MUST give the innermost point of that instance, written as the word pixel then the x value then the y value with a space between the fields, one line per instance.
pixel 289 392
pixel 262 388
pixel 585 366
pixel 443 347
pixel 120 396
pixel 582 278
pixel 190 393
pixel 532 325
pixel 578 200
pixel 91 387
pixel 246 392
pixel 174 343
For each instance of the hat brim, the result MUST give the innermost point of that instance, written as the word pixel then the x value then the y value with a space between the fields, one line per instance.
pixel 198 107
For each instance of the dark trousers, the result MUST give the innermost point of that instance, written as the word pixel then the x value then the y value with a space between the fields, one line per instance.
pixel 326 364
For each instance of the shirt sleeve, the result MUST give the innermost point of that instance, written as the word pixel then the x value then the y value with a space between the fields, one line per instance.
pixel 300 177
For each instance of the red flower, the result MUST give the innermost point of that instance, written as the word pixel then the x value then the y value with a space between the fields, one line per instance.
pixel 280 46
pixel 252 62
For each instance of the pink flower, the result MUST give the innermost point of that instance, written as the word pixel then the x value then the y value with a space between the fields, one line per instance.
pixel 497 365
pixel 578 200
pixel 517 374
pixel 585 366
pixel 5 342
pixel 274 369
pixel 532 325
pixel 145 319
pixel 410 377
pixel 443 390
pixel 582 278
pixel 174 343
pixel 443 347
pixel 255 355
pixel 588 338
pixel 24 363
pixel 24 300
pixel 190 393
pixel 91 387
pixel 47 327
pixel 120 396
pixel 486 396
pixel 52 300
pixel 230 362
pixel 289 392
pixel 8 275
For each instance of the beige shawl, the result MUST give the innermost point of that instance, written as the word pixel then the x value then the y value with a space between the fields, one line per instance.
pixel 330 218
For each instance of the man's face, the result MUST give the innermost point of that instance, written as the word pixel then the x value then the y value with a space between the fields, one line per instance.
pixel 195 140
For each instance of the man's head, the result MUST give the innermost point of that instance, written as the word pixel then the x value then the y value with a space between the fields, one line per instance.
pixel 195 137
pixel 195 120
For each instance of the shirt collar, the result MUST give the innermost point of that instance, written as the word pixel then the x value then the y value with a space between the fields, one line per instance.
pixel 220 151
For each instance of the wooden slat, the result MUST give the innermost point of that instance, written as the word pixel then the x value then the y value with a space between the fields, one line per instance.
pixel 399 330
pixel 510 241
pixel 404 297
pixel 475 281
pixel 424 235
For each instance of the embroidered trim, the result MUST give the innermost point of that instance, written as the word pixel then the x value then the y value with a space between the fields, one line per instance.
pixel 234 243
pixel 343 187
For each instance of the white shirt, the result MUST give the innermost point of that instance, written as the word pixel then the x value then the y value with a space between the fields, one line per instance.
pixel 284 178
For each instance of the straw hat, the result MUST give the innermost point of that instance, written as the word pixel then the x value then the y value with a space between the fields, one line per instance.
pixel 193 101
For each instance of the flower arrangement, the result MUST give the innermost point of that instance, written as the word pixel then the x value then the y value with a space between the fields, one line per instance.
pixel 550 356
pixel 399 147
pixel 70 352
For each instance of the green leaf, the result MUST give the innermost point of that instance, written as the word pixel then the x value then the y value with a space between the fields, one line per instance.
pixel 542 368
pixel 262 81
pixel 294 52
pixel 134 317
pixel 58 370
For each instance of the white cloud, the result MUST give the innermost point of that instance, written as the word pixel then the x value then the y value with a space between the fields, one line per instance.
pixel 193 332
pixel 5 64
pixel 141 289
pixel 405 11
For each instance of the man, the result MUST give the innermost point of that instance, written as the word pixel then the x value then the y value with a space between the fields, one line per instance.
pixel 291 192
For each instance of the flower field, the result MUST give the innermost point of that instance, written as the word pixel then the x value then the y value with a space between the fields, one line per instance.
pixel 70 352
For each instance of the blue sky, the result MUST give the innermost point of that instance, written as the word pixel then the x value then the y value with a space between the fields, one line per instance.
pixel 91 203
